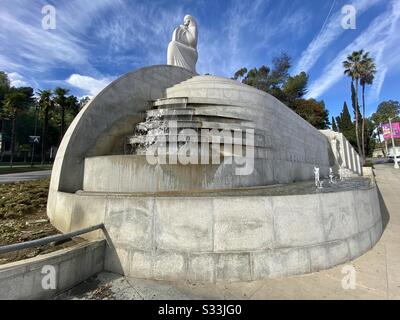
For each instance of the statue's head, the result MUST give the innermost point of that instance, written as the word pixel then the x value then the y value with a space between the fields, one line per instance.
pixel 189 20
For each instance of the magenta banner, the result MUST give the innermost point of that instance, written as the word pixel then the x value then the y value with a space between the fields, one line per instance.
pixel 386 130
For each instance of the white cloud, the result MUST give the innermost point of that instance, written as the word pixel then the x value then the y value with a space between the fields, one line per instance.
pixel 90 85
pixel 328 34
pixel 33 49
pixel 378 38
pixel 17 80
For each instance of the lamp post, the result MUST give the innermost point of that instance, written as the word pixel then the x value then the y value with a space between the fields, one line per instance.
pixel 34 143
pixel 396 164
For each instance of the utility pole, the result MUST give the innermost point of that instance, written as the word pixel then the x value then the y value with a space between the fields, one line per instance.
pixel 386 148
pixel 396 164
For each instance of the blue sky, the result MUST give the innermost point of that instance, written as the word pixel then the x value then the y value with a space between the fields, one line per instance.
pixel 96 41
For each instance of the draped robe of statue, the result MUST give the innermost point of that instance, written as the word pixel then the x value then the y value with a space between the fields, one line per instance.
pixel 182 50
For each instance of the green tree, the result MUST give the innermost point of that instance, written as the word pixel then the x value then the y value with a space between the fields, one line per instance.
pixel 46 104
pixel 353 69
pixel 346 125
pixel 370 141
pixel 368 71
pixel 17 101
pixel 295 87
pixel 270 80
pixel 345 119
pixel 258 78
pixel 4 85
pixel 4 88
pixel 290 90
pixel 61 101
pixel 240 74
pixel 280 70
pixel 312 111
pixel 386 109
pixel 72 104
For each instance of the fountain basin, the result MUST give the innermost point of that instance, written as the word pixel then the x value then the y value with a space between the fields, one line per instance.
pixel 230 235
pixel 133 173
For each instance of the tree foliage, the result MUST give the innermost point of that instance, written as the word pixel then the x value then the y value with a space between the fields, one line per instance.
pixel 346 125
pixel 4 86
pixel 20 110
pixel 352 68
pixel 290 90
pixel 360 67
pixel 386 109
pixel 16 101
pixel 312 111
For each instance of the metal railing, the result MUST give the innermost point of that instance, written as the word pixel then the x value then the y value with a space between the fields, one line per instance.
pixel 47 240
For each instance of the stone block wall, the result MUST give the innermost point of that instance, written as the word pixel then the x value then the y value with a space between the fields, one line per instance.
pixel 344 155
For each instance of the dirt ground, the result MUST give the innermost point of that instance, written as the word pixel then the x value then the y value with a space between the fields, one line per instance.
pixel 23 218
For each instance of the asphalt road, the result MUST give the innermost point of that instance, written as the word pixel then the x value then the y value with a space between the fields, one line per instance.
pixel 24 176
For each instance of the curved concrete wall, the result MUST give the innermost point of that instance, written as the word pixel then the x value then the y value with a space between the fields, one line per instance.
pixel 132 173
pixel 102 124
pixel 228 238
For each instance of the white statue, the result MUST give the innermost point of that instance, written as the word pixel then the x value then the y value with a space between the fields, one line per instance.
pixel 341 174
pixel 316 177
pixel 331 176
pixel 182 50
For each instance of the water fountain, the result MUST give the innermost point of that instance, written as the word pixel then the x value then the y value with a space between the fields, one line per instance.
pixel 254 214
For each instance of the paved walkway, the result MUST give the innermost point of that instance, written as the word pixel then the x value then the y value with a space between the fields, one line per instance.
pixel 377 277
pixel 24 176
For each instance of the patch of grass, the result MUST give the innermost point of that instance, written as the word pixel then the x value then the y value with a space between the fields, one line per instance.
pixel 22 198
pixel 23 218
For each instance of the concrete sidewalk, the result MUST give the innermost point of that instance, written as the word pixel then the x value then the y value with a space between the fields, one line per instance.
pixel 377 276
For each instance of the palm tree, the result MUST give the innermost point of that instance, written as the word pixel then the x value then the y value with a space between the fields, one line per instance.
pixel 368 71
pixel 240 74
pixel 61 101
pixel 46 104
pixel 73 105
pixel 353 69
pixel 17 100
pixel 3 119
pixel 4 88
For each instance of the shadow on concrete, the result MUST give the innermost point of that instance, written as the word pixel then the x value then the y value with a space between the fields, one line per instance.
pixel 384 211
pixel 111 259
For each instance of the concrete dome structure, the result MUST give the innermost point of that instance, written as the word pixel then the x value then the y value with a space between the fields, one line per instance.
pixel 204 222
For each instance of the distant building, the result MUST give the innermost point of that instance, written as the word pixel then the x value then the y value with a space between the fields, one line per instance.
pixel 378 153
